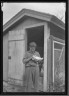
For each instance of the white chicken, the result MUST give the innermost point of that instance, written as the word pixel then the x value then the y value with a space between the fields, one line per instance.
pixel 37 58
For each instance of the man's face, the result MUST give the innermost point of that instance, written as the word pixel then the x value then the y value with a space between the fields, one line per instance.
pixel 32 48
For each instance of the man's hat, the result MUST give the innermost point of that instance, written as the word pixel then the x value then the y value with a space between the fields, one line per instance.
pixel 32 44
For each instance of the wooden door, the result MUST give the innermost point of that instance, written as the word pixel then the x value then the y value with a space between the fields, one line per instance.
pixel 16 54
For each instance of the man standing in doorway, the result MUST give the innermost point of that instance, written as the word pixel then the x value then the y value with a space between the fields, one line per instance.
pixel 31 69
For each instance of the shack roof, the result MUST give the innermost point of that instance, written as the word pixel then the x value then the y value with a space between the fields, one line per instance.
pixel 39 15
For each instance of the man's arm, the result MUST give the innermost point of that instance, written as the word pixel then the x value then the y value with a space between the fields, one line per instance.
pixel 26 58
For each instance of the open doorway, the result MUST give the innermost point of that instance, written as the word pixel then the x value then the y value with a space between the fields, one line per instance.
pixel 36 34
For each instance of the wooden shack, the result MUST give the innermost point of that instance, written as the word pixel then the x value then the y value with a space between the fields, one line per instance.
pixel 26 26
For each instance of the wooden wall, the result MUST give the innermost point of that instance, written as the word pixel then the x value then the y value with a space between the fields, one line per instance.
pixel 28 21
pixel 5 57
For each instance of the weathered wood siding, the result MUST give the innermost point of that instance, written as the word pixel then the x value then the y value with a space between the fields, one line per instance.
pixel 27 22
pixel 16 54
pixel 5 57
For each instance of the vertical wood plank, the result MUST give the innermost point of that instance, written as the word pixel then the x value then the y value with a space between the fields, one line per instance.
pixel 51 59
pixel 25 40
pixel 49 63
pixel 46 36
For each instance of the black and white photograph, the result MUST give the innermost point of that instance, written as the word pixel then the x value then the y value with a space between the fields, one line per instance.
pixel 34 47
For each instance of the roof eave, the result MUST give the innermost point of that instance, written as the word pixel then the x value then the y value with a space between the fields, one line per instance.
pixel 25 13
pixel 58 25
pixel 30 13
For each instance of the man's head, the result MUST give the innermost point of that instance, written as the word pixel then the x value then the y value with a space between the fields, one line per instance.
pixel 32 46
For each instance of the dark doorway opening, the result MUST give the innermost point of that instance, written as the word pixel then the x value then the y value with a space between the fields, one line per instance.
pixel 36 34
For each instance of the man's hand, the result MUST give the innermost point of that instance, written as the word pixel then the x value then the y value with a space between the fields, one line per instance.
pixel 33 58
pixel 27 59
